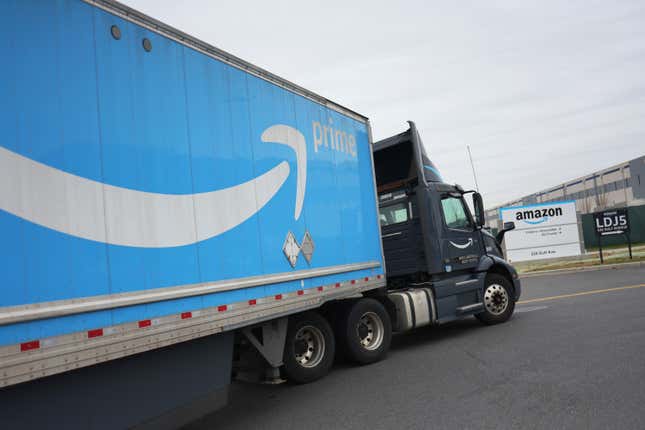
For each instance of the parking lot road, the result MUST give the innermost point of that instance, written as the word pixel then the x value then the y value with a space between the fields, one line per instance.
pixel 572 361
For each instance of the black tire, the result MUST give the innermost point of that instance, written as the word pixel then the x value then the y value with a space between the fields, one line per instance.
pixel 498 305
pixel 302 364
pixel 357 331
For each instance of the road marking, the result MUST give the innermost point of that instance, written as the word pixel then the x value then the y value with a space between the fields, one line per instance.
pixel 530 308
pixel 585 293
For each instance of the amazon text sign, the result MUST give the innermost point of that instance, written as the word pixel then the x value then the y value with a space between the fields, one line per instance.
pixel 545 230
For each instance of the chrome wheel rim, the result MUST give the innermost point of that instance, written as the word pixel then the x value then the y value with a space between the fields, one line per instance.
pixel 370 331
pixel 309 346
pixel 496 299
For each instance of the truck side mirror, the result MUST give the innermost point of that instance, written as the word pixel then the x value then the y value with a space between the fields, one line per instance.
pixel 478 204
pixel 508 226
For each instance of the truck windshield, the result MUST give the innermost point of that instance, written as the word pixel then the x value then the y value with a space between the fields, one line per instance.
pixel 454 213
pixel 393 214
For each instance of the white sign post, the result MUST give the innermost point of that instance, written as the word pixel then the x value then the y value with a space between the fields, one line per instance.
pixel 543 230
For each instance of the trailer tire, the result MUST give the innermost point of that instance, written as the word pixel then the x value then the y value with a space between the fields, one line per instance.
pixel 309 348
pixel 498 300
pixel 364 331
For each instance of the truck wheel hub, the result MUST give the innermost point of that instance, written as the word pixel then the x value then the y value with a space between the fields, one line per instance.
pixel 370 331
pixel 300 346
pixel 309 346
pixel 495 299
pixel 363 331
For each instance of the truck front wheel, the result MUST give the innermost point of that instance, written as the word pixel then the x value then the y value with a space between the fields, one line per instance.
pixel 498 300
pixel 309 348
pixel 364 331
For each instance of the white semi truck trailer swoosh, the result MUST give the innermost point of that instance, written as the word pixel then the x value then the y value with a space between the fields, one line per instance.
pixel 291 137
pixel 105 213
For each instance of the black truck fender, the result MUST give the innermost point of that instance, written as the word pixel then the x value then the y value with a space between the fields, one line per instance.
pixel 494 264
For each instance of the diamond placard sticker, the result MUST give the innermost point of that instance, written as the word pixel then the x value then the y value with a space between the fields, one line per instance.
pixel 307 247
pixel 291 249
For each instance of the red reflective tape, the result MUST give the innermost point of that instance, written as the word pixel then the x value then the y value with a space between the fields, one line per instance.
pixel 144 323
pixel 253 302
pixel 278 296
pixel 28 346
pixel 300 292
pixel 95 333
pixel 319 288
pixel 378 276
pixel 353 281
pixel 222 308
pixel 185 315
pixel 337 285
pixel 367 279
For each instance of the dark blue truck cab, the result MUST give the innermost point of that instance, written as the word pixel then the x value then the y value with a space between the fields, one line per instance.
pixel 432 240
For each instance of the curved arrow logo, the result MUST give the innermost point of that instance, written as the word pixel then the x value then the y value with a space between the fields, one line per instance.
pixel 291 137
pixel 546 218
pixel 100 212
pixel 464 246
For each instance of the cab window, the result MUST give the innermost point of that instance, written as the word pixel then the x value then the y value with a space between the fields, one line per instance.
pixel 393 214
pixel 454 213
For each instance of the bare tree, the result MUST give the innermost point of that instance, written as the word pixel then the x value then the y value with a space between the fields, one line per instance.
pixel 602 197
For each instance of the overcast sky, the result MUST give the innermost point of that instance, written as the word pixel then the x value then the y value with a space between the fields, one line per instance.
pixel 542 91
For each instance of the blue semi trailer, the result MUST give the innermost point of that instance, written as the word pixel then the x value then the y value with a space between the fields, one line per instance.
pixel 166 206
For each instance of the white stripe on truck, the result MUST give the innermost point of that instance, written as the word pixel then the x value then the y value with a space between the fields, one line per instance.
pixel 100 212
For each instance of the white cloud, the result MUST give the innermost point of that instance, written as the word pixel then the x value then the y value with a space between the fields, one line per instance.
pixel 541 91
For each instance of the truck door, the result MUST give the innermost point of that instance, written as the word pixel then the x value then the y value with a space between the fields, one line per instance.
pixel 461 244
pixel 401 237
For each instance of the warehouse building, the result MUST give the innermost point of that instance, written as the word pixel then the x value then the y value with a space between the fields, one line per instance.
pixel 620 185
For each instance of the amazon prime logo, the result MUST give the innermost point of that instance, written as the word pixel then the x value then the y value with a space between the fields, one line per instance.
pixel 330 138
pixel 291 248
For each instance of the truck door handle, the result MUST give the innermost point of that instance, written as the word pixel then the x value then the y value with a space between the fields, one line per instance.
pixel 392 234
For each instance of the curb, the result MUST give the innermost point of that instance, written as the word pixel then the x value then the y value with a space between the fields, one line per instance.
pixel 582 269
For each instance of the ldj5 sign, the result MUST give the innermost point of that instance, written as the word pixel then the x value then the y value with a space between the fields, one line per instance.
pixel 614 221
pixel 611 222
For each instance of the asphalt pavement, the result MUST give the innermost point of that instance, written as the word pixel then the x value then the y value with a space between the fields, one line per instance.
pixel 573 360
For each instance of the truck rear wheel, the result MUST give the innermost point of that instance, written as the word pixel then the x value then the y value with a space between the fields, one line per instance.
pixel 309 348
pixel 498 300
pixel 364 331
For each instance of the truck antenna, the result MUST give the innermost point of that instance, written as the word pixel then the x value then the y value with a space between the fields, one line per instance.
pixel 470 156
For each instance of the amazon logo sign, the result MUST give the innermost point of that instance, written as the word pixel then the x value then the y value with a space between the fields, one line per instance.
pixel 537 216
pixel 543 230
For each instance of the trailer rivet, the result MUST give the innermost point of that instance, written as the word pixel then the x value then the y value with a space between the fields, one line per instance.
pixel 116 32
pixel 147 45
